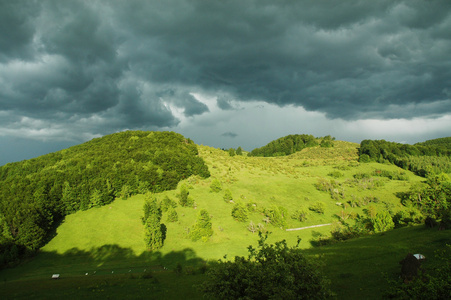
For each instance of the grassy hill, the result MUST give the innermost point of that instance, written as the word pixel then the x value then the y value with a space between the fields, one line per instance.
pixel 101 252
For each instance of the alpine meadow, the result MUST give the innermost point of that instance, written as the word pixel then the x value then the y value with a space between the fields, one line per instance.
pixel 148 214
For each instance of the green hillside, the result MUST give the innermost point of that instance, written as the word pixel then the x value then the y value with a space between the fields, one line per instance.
pixel 36 194
pixel 101 252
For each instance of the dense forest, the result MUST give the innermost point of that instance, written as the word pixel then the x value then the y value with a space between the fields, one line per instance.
pixel 291 144
pixel 424 159
pixel 36 194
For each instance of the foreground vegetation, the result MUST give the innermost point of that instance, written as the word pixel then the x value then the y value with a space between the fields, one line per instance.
pixel 204 218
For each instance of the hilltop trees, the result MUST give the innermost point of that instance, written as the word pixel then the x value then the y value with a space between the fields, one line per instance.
pixel 424 159
pixel 285 145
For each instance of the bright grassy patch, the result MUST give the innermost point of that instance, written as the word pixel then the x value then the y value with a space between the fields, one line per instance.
pixel 109 240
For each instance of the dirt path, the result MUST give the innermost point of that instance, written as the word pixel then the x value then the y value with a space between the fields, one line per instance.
pixel 313 226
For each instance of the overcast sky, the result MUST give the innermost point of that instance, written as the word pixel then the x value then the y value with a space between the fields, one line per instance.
pixel 223 73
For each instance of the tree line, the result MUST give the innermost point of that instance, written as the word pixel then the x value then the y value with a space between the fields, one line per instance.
pixel 424 159
pixel 290 144
pixel 36 194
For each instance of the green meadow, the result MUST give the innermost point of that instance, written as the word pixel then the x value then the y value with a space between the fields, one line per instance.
pixel 100 252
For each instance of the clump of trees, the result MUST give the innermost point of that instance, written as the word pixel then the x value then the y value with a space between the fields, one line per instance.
pixel 424 159
pixel 285 145
pixel 433 200
pixel 271 271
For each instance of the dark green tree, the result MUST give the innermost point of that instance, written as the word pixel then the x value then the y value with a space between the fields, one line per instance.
pixel 153 229
pixel 239 151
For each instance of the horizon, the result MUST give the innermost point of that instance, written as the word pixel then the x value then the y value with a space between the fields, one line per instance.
pixel 41 150
pixel 225 74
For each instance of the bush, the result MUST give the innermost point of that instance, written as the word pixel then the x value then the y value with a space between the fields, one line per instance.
pixel 382 222
pixel 227 196
pixel 269 272
pixel 335 174
pixel 318 207
pixel 300 215
pixel 215 186
pixel 172 215
pixel 239 212
pixel 276 216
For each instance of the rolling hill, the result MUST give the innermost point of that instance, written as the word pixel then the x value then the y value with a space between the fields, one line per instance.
pixel 102 251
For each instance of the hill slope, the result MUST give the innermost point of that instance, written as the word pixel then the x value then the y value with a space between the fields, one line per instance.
pixel 35 194
pixel 110 238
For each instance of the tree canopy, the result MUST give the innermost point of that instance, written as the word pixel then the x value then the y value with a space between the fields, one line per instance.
pixel 285 145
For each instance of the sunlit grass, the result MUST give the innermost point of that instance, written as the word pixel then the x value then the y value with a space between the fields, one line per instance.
pixel 117 230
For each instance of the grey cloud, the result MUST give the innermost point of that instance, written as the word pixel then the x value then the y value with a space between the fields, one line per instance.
pixel 16 30
pixel 224 103
pixel 229 134
pixel 132 61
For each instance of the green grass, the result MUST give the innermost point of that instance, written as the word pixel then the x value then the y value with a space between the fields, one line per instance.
pixel 109 240
pixel 356 267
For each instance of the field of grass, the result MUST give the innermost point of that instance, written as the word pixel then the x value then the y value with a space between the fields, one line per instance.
pixel 99 251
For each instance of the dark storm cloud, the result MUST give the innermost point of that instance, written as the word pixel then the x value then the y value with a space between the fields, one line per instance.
pixel 16 30
pixel 126 63
pixel 348 59
pixel 229 134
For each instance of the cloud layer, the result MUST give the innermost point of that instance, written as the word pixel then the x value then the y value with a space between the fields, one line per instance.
pixel 95 67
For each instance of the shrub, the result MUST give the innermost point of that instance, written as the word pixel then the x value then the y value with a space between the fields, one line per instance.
pixel 239 212
pixel 276 216
pixel 215 186
pixel 227 196
pixel 335 174
pixel 300 215
pixel 318 207
pixel 172 215
pixel 269 272
pixel 382 222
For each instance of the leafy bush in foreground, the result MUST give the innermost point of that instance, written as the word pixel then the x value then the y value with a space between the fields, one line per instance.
pixel 273 271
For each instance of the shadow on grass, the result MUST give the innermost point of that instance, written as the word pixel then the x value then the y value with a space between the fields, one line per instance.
pixel 109 271
pixel 107 259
